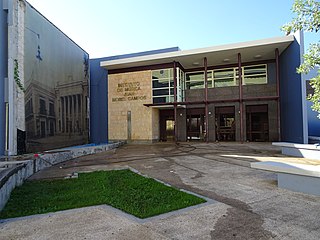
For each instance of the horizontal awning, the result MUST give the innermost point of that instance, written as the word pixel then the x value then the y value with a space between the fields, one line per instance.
pixel 217 55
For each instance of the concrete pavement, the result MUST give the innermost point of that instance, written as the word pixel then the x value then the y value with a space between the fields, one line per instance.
pixel 249 205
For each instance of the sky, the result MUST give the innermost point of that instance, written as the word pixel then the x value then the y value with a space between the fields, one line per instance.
pixel 113 27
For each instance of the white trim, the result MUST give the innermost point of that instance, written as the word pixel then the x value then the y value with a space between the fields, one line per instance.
pixel 300 39
pixel 185 53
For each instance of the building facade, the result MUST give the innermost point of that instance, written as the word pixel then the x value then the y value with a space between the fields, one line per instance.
pixel 44 83
pixel 238 92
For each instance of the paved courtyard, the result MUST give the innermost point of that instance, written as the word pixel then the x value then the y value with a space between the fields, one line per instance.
pixel 247 204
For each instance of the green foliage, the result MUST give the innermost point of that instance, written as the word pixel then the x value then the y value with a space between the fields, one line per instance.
pixel 17 76
pixel 308 19
pixel 125 190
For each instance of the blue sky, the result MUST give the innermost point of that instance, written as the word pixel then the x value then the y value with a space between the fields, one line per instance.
pixel 112 27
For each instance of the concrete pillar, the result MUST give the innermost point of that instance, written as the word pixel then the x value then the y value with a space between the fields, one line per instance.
pixel 182 123
pixel 76 113
pixel 16 11
pixel 60 106
pixel 70 113
pixel 65 114
pixel 82 115
pixel 3 74
pixel 211 123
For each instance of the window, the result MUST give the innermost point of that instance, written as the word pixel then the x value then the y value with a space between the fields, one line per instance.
pixel 225 77
pixel 42 109
pixel 29 107
pixel 162 86
pixel 255 74
pixel 194 80
pixel 51 109
pixel 180 85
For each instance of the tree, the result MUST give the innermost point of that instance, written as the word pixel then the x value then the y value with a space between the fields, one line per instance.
pixel 308 19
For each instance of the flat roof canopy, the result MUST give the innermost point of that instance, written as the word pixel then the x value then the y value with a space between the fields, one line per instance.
pixel 217 55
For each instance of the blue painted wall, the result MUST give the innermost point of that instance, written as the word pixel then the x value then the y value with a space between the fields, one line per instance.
pixel 313 120
pixel 98 102
pixel 3 72
pixel 99 94
pixel 291 95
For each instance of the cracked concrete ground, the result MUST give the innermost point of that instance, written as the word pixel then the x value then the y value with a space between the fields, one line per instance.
pixel 249 205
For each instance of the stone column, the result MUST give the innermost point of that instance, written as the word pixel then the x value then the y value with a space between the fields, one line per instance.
pixel 70 114
pixel 65 114
pixel 77 112
pixel 60 106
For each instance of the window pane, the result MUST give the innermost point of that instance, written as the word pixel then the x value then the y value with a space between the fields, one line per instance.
pixel 195 76
pixel 160 92
pixel 195 85
pixel 162 73
pixel 162 83
pixel 224 77
pixel 253 70
pixel 224 73
pixel 255 74
pixel 163 99
pixel 195 80
pixel 255 80
pixel 159 99
pixel 224 82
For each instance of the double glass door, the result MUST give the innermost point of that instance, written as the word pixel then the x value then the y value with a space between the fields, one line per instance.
pixel 196 129
pixel 225 124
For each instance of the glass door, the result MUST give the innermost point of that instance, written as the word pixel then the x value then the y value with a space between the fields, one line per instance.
pixel 225 124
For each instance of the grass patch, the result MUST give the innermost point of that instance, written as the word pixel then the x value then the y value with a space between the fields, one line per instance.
pixel 123 189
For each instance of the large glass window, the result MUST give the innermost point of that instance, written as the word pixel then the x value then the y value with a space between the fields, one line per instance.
pixel 162 86
pixel 255 74
pixel 225 77
pixel 180 85
pixel 194 80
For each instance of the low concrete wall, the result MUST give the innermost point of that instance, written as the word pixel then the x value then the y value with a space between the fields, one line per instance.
pixel 311 151
pixel 14 173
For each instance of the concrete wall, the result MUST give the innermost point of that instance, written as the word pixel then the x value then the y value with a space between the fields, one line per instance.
pixel 49 65
pixel 3 73
pixel 291 96
pixel 56 72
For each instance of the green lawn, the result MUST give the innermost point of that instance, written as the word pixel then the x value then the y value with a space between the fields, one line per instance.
pixel 122 189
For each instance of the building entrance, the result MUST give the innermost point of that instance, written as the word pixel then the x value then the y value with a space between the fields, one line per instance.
pixel 257 123
pixel 225 124
pixel 196 124
pixel 167 125
pixel 170 130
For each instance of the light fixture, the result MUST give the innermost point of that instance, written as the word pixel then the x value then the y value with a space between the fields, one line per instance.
pixel 226 60
pixel 195 63
pixel 257 56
